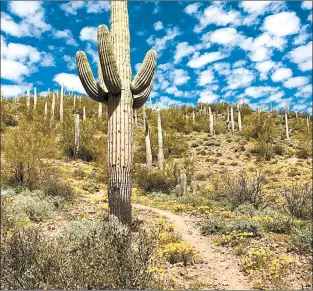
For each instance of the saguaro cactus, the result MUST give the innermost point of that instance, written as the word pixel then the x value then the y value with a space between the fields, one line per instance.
pixel 211 123
pixel 100 110
pixel 35 98
pixel 308 123
pixel 286 125
pixel 135 118
pixel 239 121
pixel 76 128
pixel 147 141
pixel 52 106
pixel 46 110
pixel 84 113
pixel 122 95
pixel 74 101
pixel 193 117
pixel 61 103
pixel 183 183
pixel 160 141
pixel 28 99
pixel 232 120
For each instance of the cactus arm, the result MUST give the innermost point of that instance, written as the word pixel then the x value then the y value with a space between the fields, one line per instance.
pixel 92 88
pixel 108 63
pixel 141 98
pixel 146 73
pixel 100 78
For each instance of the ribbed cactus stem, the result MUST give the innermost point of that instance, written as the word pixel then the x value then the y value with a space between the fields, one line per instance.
pixel 76 128
pixel 232 120
pixel 74 101
pixel 193 117
pixel 160 142
pixel 308 123
pixel 35 98
pixel 228 120
pixel 178 190
pixel 53 106
pixel 239 121
pixel 84 113
pixel 211 124
pixel 46 110
pixel 147 141
pixel 28 99
pixel 214 115
pixel 121 96
pixel 100 110
pixel 135 118
pixel 61 103
pixel 183 183
pixel 286 125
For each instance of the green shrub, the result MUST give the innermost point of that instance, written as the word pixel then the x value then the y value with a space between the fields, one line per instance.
pixel 246 208
pixel 213 225
pixel 53 187
pixel 301 239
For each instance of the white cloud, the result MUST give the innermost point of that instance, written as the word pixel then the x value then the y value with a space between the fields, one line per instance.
pixel 224 36
pixel 257 7
pixel 158 25
pixel 198 61
pixel 264 68
pixel 70 81
pixel 282 24
pixel 205 77
pixel 165 102
pixel 296 82
pixel 13 70
pixel 207 96
pixel 222 68
pixel 305 91
pixel 174 91
pixel 159 44
pixel 137 66
pixel 70 63
pixel 302 56
pixel 307 5
pixel 66 34
pixel 183 49
pixel 94 54
pixel 72 6
pixel 14 90
pixel 239 78
pixel 192 8
pixel 97 6
pixel 281 74
pixel 88 33
pixel 275 97
pixel 180 77
pixel 215 14
pixel 259 91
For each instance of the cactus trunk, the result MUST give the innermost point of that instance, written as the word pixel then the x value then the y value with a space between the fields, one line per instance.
pixel 116 89
pixel 211 123
pixel 160 142
pixel 61 103
pixel 193 117
pixel 100 110
pixel 52 106
pixel 147 141
pixel 84 113
pixel 307 123
pixel 28 99
pixel 232 120
pixel 74 101
pixel 76 126
pixel 239 121
pixel 286 125
pixel 35 98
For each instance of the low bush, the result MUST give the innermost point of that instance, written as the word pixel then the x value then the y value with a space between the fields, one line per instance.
pixel 53 187
pixel 301 239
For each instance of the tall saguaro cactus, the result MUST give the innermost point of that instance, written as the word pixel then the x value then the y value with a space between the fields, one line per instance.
pixel 116 89
pixel 232 120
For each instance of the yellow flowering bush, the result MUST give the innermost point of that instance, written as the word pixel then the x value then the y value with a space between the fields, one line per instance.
pixel 227 214
pixel 269 269
pixel 233 239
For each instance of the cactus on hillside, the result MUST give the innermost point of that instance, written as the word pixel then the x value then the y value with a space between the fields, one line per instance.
pixel 76 128
pixel 84 113
pixel 239 120
pixel 160 141
pixel 308 123
pixel 286 126
pixel 74 101
pixel 228 120
pixel 147 141
pixel 53 106
pixel 178 190
pixel 100 110
pixel 193 117
pixel 232 120
pixel 35 98
pixel 61 103
pixel 183 183
pixel 211 123
pixel 46 110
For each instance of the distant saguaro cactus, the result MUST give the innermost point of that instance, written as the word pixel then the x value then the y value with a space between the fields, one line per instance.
pixel 286 126
pixel 193 117
pixel 74 101
pixel 35 98
pixel 308 123
pixel 76 127
pixel 239 120
pixel 52 106
pixel 100 110
pixel 160 141
pixel 61 103
pixel 147 141
pixel 183 183
pixel 46 110
pixel 84 113
pixel 211 123
pixel 228 120
pixel 232 120
pixel 122 95
pixel 28 99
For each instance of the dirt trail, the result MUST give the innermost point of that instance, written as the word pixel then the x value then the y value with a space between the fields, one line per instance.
pixel 219 264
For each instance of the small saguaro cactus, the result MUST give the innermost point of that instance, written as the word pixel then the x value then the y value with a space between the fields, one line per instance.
pixel 84 113
pixel 308 123
pixel 193 117
pixel 160 141
pixel 76 127
pixel 35 98
pixel 232 120
pixel 74 101
pixel 28 99
pixel 121 95
pixel 53 106
pixel 46 110
pixel 61 103
pixel 147 141
pixel 288 131
pixel 239 120
pixel 183 183
pixel 100 110
pixel 228 120
pixel 211 124
pixel 178 190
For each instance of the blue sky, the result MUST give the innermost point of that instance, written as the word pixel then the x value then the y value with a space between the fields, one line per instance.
pixel 255 52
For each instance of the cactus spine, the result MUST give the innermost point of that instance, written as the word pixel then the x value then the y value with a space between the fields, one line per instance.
pixel 61 103
pixel 122 95
pixel 76 125
pixel 232 120
pixel 147 141
pixel 35 98
pixel 160 142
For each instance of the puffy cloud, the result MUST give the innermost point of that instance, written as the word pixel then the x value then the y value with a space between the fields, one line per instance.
pixel 215 14
pixel 183 49
pixel 296 82
pixel 198 61
pixel 307 5
pixel 70 63
pixel 264 68
pixel 225 36
pixel 304 92
pixel 67 35
pixel 88 33
pixel 205 77
pixel 239 78
pixel 71 7
pixel 97 6
pixel 192 8
pixel 180 77
pixel 281 74
pixel 14 90
pixel 258 7
pixel 302 56
pixel 13 70
pixel 282 24
pixel 159 44
pixel 275 97
pixel 158 25
pixel 207 96
pixel 222 68
pixel 70 82
pixel 174 91
pixel 259 91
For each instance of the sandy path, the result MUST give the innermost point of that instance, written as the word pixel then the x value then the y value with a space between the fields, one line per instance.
pixel 220 265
